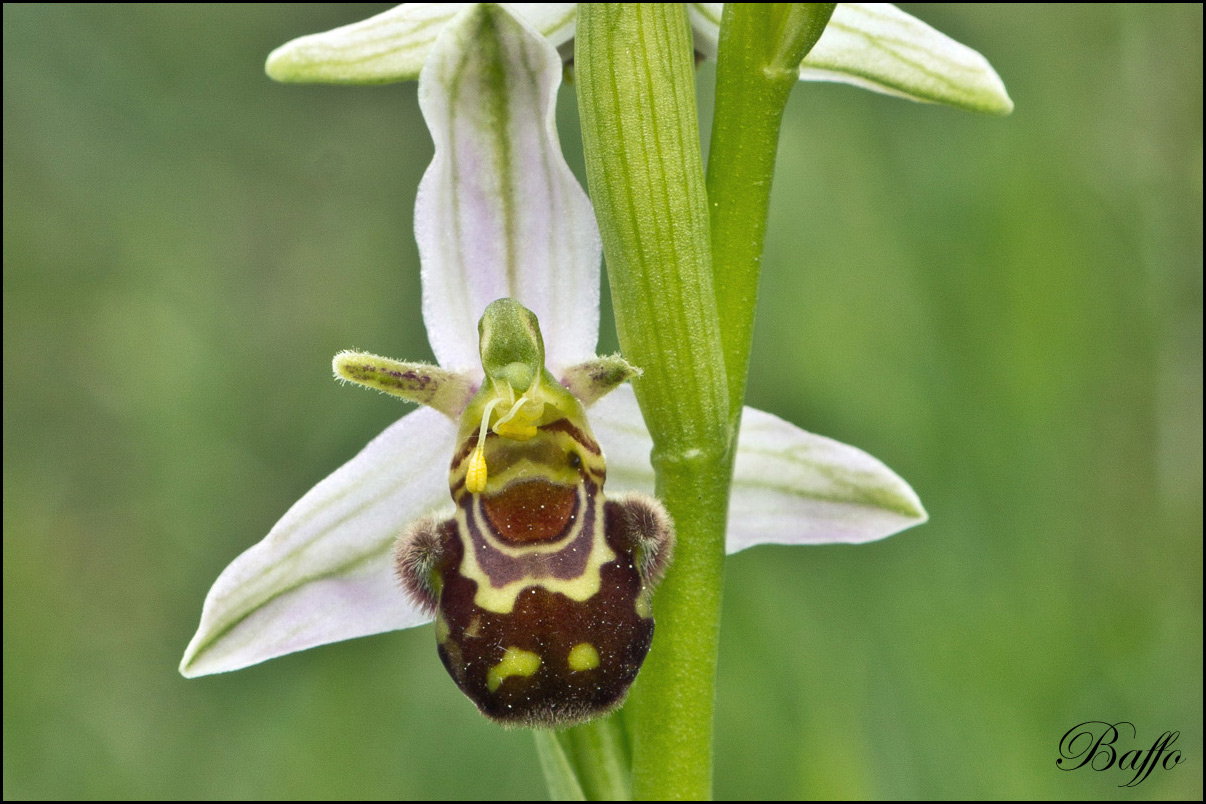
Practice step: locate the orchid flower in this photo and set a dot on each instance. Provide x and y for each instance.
(499, 214)
(875, 46)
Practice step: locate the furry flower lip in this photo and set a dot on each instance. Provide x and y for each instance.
(540, 586)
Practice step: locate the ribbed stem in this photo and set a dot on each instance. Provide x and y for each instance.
(636, 96)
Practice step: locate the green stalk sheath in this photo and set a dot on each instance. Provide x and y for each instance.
(761, 47)
(600, 759)
(636, 96)
(560, 776)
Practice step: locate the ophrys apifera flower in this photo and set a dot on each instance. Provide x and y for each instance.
(499, 215)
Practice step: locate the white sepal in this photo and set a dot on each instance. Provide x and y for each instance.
(324, 572)
(499, 213)
(789, 486)
(877, 46)
(394, 45)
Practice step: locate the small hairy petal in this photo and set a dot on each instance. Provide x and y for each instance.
(594, 379)
(425, 384)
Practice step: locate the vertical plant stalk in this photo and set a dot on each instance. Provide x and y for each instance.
(636, 96)
(560, 775)
(599, 756)
(761, 47)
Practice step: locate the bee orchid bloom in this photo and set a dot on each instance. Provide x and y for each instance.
(499, 215)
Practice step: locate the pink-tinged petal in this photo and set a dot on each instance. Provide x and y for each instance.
(555, 21)
(393, 45)
(793, 487)
(324, 573)
(625, 440)
(498, 212)
(789, 486)
(877, 46)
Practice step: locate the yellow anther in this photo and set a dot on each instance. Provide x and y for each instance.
(519, 424)
(475, 475)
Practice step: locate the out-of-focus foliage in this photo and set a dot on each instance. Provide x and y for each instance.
(1008, 312)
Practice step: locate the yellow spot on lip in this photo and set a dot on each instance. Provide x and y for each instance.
(583, 656)
(515, 662)
(644, 609)
(441, 628)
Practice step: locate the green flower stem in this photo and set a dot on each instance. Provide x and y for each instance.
(636, 97)
(599, 755)
(761, 47)
(560, 776)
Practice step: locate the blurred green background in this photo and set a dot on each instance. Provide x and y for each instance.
(1006, 311)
